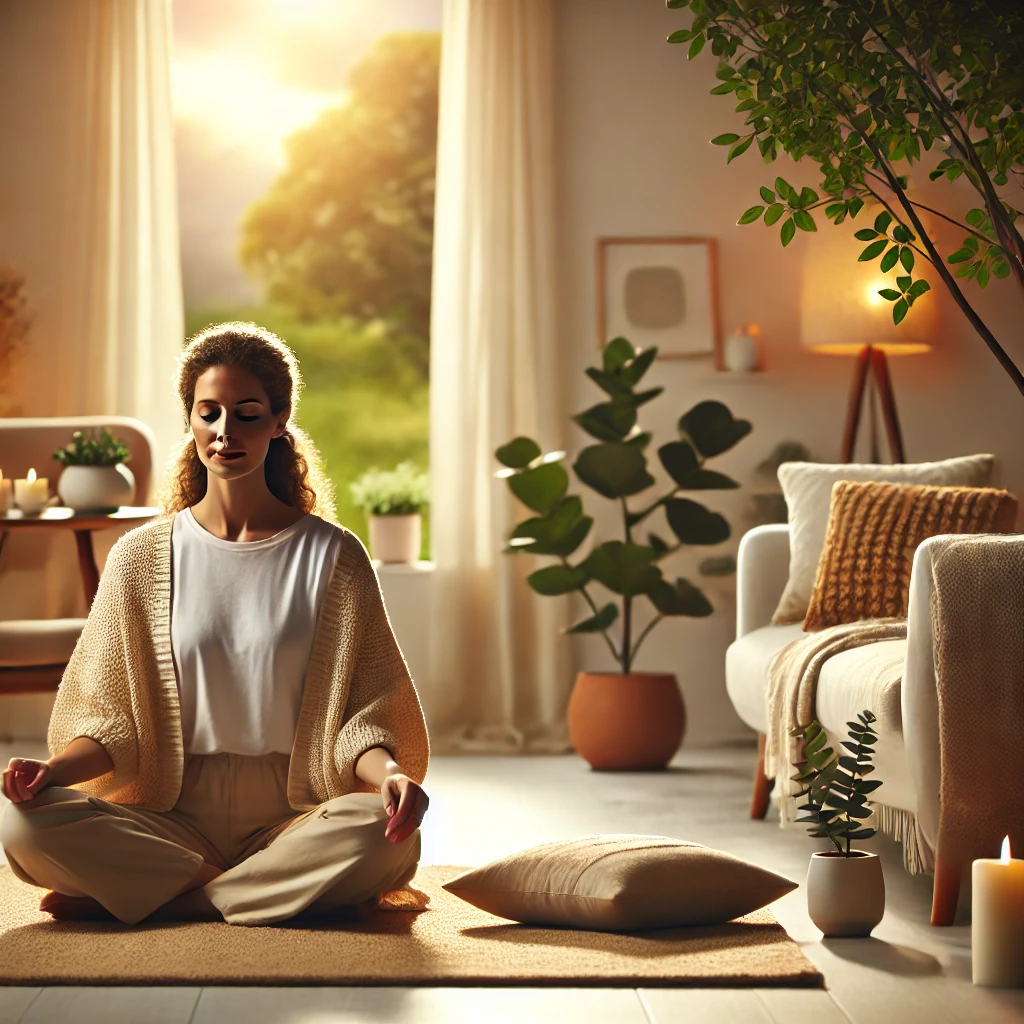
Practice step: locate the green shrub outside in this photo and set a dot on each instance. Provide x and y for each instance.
(364, 403)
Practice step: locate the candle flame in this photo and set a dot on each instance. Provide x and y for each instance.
(31, 475)
(1004, 854)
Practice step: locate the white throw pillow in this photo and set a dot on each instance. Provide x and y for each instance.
(807, 488)
(619, 882)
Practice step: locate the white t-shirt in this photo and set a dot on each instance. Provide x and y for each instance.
(243, 616)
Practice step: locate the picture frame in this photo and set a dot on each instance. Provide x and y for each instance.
(660, 291)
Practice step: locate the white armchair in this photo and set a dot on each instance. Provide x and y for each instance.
(907, 758)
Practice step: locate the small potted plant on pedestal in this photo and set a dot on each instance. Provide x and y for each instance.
(393, 501)
(845, 887)
(623, 720)
(95, 477)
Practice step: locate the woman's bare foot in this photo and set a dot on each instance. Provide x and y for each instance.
(74, 908)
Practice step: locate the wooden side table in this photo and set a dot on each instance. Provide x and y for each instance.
(82, 523)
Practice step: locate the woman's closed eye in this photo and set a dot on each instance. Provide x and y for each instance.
(210, 417)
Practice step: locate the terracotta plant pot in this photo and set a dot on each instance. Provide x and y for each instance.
(396, 538)
(845, 895)
(626, 722)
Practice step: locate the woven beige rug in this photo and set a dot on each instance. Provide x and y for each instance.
(448, 943)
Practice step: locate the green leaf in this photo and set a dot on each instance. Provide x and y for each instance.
(557, 579)
(681, 35)
(889, 259)
(782, 187)
(752, 214)
(919, 287)
(773, 213)
(788, 231)
(706, 480)
(882, 222)
(624, 568)
(518, 453)
(659, 546)
(873, 250)
(682, 598)
(694, 524)
(616, 354)
(866, 234)
(960, 256)
(611, 383)
(540, 488)
(804, 221)
(739, 149)
(712, 427)
(767, 194)
(808, 196)
(613, 470)
(679, 459)
(903, 283)
(718, 565)
(635, 369)
(907, 258)
(602, 620)
(609, 421)
(695, 47)
(901, 234)
(976, 217)
(725, 140)
(890, 293)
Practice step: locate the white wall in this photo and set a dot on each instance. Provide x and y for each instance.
(634, 122)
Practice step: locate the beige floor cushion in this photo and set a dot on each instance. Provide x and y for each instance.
(619, 882)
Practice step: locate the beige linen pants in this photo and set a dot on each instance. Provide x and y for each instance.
(232, 812)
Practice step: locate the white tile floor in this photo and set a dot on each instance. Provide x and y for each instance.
(483, 807)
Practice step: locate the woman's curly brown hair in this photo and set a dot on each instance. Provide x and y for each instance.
(293, 467)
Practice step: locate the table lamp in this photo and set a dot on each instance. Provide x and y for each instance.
(842, 314)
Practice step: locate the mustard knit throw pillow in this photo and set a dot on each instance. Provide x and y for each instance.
(873, 531)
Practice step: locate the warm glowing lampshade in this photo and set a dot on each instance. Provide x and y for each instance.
(840, 308)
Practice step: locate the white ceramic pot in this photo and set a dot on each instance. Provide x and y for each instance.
(845, 895)
(96, 488)
(740, 354)
(396, 538)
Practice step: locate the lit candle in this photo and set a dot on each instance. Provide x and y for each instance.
(30, 494)
(6, 493)
(997, 925)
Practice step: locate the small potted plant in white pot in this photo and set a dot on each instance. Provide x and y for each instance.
(95, 477)
(845, 887)
(393, 501)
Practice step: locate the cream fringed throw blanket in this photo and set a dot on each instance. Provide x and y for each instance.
(977, 618)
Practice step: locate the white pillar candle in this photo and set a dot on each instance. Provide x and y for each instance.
(997, 924)
(31, 493)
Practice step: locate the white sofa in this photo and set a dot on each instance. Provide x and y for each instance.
(906, 758)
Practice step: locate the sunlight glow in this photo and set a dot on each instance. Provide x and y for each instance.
(301, 10)
(236, 98)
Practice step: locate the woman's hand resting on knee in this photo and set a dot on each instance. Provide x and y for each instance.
(406, 802)
(24, 777)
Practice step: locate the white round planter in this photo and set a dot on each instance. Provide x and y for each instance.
(396, 538)
(845, 895)
(96, 488)
(740, 353)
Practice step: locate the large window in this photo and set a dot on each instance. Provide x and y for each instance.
(306, 136)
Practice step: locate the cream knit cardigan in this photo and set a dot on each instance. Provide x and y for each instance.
(120, 689)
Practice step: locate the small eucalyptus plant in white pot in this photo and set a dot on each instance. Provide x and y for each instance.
(393, 501)
(95, 477)
(845, 887)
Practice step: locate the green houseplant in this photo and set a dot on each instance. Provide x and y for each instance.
(845, 887)
(95, 477)
(866, 89)
(393, 500)
(616, 467)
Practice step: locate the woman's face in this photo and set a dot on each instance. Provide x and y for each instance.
(231, 421)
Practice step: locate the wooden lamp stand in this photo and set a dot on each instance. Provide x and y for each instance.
(875, 358)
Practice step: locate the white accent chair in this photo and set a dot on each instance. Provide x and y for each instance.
(907, 759)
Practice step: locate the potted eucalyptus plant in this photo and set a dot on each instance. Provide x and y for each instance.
(845, 887)
(627, 719)
(95, 477)
(393, 500)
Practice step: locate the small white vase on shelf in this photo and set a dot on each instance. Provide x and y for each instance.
(96, 488)
(741, 352)
(396, 538)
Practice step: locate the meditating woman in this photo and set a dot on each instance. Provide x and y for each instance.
(236, 734)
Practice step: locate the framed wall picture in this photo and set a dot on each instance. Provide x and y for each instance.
(660, 291)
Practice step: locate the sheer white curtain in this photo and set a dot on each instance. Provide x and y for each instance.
(94, 225)
(500, 670)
